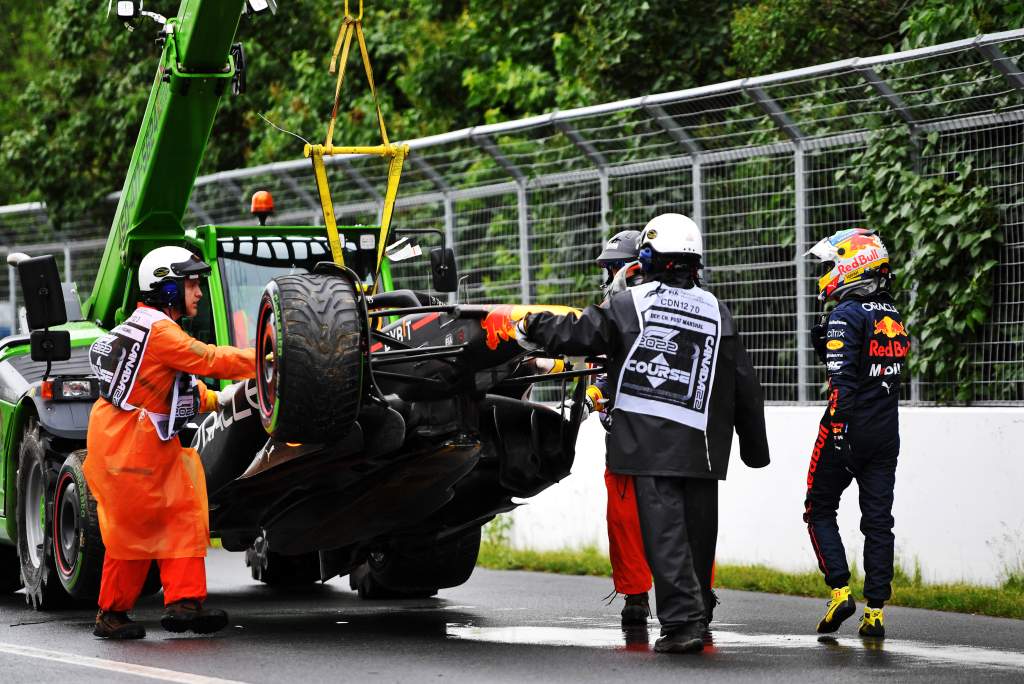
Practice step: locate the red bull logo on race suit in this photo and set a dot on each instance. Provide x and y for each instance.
(889, 327)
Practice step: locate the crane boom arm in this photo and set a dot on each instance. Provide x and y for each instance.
(195, 71)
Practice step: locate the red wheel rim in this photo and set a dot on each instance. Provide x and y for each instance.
(65, 525)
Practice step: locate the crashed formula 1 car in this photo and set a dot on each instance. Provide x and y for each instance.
(385, 426)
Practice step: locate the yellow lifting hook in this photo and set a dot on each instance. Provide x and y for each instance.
(396, 154)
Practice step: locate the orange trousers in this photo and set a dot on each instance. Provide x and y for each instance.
(182, 578)
(630, 571)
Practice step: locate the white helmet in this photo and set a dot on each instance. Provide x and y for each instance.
(162, 274)
(666, 236)
(672, 234)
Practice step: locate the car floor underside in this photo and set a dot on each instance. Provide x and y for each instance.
(408, 474)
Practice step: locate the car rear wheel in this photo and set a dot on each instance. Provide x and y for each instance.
(43, 590)
(77, 545)
(309, 358)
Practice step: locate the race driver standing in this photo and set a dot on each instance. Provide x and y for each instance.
(682, 382)
(864, 346)
(150, 490)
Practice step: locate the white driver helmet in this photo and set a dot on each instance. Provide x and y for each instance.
(169, 263)
(671, 234)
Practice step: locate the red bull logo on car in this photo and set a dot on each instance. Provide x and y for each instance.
(500, 322)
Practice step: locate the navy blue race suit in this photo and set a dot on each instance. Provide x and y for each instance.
(864, 347)
(676, 467)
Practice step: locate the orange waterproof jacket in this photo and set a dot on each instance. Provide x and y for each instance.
(151, 493)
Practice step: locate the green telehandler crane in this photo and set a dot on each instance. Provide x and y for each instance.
(198, 65)
(385, 426)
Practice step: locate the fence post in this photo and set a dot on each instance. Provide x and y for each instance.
(606, 205)
(696, 174)
(800, 188)
(67, 264)
(449, 231)
(12, 293)
(524, 240)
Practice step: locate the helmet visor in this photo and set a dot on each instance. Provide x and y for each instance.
(190, 269)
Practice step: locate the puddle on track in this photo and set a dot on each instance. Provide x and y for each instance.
(615, 638)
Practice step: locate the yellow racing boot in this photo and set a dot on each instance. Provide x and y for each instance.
(840, 607)
(873, 623)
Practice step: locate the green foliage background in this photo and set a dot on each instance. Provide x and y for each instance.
(74, 82)
(74, 87)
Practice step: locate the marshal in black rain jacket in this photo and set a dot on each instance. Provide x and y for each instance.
(649, 445)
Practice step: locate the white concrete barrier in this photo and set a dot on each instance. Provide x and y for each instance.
(959, 496)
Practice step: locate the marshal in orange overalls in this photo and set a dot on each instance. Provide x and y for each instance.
(151, 493)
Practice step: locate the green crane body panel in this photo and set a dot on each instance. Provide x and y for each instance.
(195, 71)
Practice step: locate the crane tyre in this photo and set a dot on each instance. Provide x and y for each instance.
(78, 549)
(35, 484)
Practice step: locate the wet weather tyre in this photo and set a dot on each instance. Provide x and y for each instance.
(78, 549)
(309, 358)
(35, 483)
(10, 569)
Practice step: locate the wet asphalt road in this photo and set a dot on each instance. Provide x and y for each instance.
(500, 626)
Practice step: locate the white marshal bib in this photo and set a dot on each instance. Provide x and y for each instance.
(670, 369)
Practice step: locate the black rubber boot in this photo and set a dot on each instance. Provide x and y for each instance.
(188, 615)
(116, 625)
(688, 639)
(636, 611)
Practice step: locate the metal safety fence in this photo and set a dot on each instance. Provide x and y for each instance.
(764, 165)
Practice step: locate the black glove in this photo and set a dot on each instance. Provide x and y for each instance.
(841, 447)
(818, 338)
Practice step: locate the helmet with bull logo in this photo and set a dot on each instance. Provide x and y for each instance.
(858, 264)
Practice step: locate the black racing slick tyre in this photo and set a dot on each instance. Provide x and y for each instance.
(309, 358)
(35, 483)
(77, 545)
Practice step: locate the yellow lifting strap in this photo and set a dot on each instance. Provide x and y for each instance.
(353, 26)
